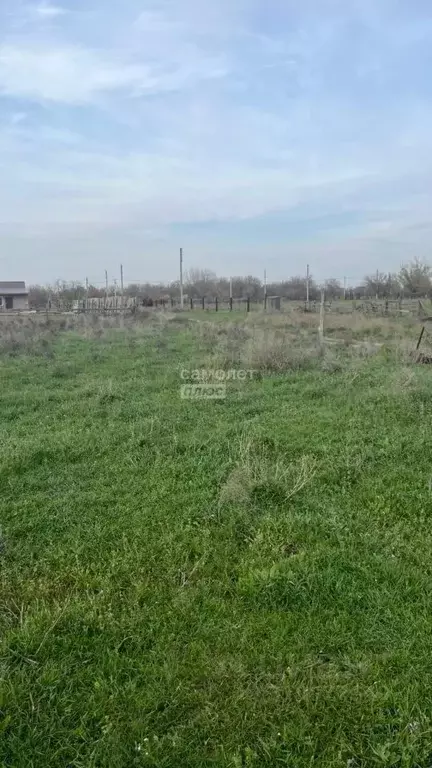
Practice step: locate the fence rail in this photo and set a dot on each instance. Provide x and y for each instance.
(116, 304)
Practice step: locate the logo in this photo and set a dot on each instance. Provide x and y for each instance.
(203, 392)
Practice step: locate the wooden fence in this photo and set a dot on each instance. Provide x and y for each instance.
(114, 304)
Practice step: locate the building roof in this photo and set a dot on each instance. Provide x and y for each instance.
(13, 289)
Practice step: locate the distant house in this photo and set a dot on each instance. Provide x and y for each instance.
(13, 296)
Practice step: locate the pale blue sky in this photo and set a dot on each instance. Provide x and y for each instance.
(254, 133)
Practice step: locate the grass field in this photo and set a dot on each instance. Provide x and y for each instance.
(237, 582)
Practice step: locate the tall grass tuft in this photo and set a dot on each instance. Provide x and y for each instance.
(258, 475)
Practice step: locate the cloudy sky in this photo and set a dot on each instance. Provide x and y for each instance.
(254, 133)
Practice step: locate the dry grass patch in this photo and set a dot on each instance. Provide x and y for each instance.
(275, 352)
(402, 381)
(35, 333)
(256, 474)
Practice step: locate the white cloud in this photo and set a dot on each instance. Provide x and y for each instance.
(76, 75)
(156, 52)
(47, 11)
(71, 75)
(90, 188)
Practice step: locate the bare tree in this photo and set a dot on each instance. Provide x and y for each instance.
(333, 288)
(376, 285)
(295, 288)
(247, 286)
(200, 282)
(38, 296)
(416, 279)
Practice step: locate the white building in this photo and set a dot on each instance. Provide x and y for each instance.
(13, 296)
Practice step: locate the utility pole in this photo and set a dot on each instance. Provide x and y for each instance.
(106, 287)
(307, 286)
(377, 278)
(345, 282)
(265, 289)
(321, 322)
(122, 284)
(87, 292)
(181, 277)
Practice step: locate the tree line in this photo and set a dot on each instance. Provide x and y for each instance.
(414, 280)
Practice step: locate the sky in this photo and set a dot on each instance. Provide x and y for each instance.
(256, 134)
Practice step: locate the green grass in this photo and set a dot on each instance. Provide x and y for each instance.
(244, 582)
